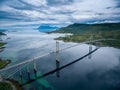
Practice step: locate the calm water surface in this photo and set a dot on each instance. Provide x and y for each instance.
(101, 72)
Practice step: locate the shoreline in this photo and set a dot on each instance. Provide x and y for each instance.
(111, 43)
(15, 84)
(4, 61)
(10, 84)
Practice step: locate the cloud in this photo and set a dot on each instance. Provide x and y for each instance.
(35, 2)
(60, 12)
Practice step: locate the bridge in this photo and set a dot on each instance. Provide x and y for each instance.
(24, 66)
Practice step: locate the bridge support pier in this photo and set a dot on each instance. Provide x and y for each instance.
(21, 78)
(35, 68)
(90, 49)
(28, 72)
(90, 45)
(20, 73)
(1, 78)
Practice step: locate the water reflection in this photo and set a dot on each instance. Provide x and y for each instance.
(101, 72)
(57, 68)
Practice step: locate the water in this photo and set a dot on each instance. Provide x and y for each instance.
(101, 72)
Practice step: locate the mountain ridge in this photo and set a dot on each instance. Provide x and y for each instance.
(80, 28)
(82, 32)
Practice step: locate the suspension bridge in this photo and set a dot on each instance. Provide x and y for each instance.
(23, 64)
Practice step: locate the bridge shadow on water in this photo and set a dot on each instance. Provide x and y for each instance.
(57, 70)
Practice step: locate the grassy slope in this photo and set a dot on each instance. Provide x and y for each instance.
(2, 44)
(82, 32)
(83, 28)
(3, 63)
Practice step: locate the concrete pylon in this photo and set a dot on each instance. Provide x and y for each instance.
(97, 45)
(20, 72)
(57, 59)
(35, 66)
(57, 51)
(1, 78)
(90, 49)
(28, 72)
(90, 45)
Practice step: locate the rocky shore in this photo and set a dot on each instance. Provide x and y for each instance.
(4, 63)
(8, 84)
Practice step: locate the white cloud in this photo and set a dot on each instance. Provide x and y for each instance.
(41, 11)
(32, 14)
(36, 2)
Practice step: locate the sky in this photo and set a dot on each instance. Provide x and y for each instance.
(33, 13)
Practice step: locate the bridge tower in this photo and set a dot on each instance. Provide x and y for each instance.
(20, 72)
(90, 45)
(57, 51)
(97, 45)
(57, 58)
(35, 66)
(28, 72)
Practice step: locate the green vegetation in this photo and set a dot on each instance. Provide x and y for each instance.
(16, 84)
(3, 63)
(2, 44)
(82, 32)
(5, 86)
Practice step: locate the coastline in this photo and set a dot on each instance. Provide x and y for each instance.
(3, 63)
(80, 38)
(6, 62)
(11, 83)
(15, 84)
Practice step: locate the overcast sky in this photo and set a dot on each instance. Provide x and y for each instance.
(19, 13)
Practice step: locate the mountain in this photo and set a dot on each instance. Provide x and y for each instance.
(47, 28)
(82, 32)
(84, 28)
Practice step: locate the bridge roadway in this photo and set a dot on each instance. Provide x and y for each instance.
(58, 69)
(35, 58)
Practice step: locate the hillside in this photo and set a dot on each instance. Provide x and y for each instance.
(83, 28)
(82, 32)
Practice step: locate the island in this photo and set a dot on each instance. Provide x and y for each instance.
(82, 32)
(8, 84)
(3, 63)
